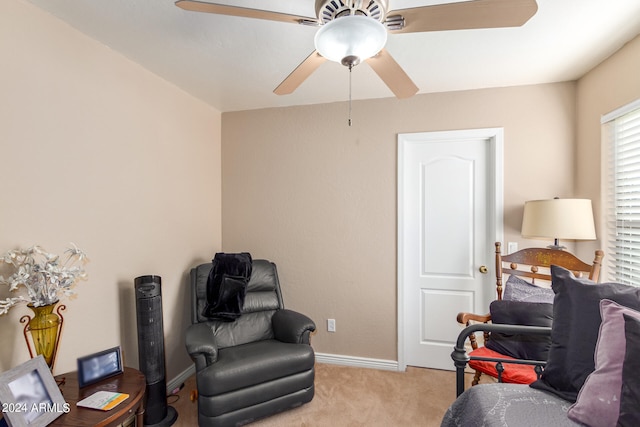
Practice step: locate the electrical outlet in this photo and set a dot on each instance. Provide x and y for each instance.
(331, 325)
(512, 247)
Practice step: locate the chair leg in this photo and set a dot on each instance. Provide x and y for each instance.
(476, 378)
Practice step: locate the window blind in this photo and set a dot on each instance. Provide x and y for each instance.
(622, 201)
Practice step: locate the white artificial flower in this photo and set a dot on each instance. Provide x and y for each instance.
(42, 276)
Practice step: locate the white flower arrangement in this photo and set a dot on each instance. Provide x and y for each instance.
(42, 275)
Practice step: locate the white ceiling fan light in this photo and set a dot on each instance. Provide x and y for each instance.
(363, 24)
(350, 39)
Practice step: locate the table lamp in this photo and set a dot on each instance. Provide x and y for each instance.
(557, 219)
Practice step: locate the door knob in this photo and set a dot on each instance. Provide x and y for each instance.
(483, 269)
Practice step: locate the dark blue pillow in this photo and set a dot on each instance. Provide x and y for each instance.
(521, 346)
(576, 323)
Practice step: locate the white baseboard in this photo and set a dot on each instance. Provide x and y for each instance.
(358, 362)
(332, 359)
(181, 378)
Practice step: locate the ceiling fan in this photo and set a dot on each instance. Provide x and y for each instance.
(351, 25)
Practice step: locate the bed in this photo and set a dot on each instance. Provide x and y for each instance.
(502, 404)
(590, 376)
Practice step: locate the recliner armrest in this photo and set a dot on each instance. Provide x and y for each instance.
(292, 327)
(201, 345)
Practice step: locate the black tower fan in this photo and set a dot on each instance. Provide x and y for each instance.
(151, 351)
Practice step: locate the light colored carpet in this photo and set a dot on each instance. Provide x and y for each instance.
(348, 396)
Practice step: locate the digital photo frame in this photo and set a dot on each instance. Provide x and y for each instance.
(98, 366)
(30, 396)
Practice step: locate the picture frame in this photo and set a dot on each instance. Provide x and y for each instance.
(30, 396)
(98, 366)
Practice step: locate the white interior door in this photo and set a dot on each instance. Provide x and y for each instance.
(449, 216)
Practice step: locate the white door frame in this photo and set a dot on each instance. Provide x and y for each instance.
(495, 136)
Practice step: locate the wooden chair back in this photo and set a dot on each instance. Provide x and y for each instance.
(534, 263)
(530, 264)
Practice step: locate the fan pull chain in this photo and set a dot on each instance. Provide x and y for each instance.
(350, 68)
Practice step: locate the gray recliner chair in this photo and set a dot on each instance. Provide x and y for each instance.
(258, 365)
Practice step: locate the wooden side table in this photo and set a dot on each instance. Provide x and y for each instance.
(131, 382)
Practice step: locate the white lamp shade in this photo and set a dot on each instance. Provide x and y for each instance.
(351, 35)
(570, 219)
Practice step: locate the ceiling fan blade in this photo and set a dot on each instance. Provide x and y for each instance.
(465, 15)
(300, 74)
(392, 75)
(222, 9)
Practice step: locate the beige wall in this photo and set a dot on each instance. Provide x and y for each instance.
(317, 197)
(96, 150)
(610, 85)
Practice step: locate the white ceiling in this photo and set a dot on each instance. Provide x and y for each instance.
(235, 63)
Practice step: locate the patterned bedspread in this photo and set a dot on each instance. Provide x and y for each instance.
(507, 405)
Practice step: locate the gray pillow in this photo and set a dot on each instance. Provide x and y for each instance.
(517, 289)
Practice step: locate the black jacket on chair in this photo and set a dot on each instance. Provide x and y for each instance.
(227, 286)
(257, 365)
